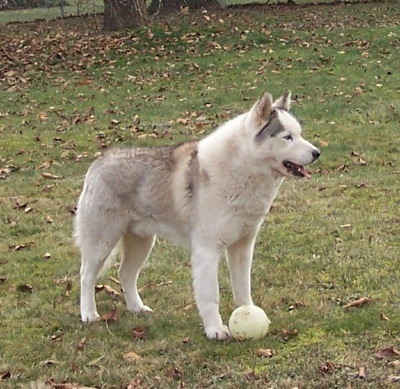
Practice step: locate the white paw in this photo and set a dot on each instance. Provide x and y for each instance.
(141, 309)
(90, 317)
(218, 333)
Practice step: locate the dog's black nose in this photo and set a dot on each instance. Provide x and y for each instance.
(316, 153)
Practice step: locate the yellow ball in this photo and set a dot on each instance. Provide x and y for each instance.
(248, 322)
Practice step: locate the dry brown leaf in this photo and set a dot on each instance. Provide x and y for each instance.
(266, 353)
(139, 332)
(384, 317)
(19, 205)
(250, 375)
(117, 282)
(68, 289)
(386, 353)
(357, 303)
(287, 334)
(105, 288)
(175, 373)
(188, 307)
(56, 337)
(42, 116)
(18, 247)
(5, 375)
(111, 315)
(25, 288)
(49, 362)
(361, 372)
(48, 188)
(66, 385)
(131, 357)
(81, 345)
(50, 176)
(327, 368)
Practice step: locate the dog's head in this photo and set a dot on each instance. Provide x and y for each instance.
(276, 137)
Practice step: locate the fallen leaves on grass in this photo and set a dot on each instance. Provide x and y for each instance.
(152, 285)
(49, 362)
(110, 316)
(288, 334)
(107, 289)
(81, 344)
(25, 288)
(266, 353)
(67, 292)
(358, 303)
(51, 176)
(68, 289)
(327, 368)
(18, 247)
(6, 375)
(66, 385)
(383, 317)
(131, 357)
(361, 372)
(139, 332)
(175, 373)
(386, 353)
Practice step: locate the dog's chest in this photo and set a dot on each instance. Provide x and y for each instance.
(244, 208)
(251, 197)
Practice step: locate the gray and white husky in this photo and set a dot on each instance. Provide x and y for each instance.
(210, 196)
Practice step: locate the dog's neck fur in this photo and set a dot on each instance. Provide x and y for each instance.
(238, 177)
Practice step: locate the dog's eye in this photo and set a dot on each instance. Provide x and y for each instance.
(288, 137)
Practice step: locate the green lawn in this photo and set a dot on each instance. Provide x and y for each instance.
(67, 91)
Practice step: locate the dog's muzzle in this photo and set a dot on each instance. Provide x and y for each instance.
(316, 154)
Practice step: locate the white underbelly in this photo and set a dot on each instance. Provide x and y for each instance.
(176, 233)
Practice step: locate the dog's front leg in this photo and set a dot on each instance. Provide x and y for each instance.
(240, 256)
(205, 261)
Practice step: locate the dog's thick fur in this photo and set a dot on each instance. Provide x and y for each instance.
(210, 196)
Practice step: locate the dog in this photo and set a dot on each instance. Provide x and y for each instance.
(209, 196)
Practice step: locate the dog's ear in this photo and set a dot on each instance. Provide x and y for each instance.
(263, 107)
(284, 102)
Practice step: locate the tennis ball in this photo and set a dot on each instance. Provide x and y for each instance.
(248, 322)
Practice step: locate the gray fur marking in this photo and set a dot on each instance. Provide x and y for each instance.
(271, 129)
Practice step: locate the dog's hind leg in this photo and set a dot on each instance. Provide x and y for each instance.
(96, 245)
(239, 256)
(135, 250)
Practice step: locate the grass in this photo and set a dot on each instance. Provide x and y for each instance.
(66, 90)
(74, 7)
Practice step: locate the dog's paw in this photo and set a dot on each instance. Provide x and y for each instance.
(145, 310)
(141, 309)
(218, 333)
(90, 317)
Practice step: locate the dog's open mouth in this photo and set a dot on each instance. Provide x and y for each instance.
(296, 170)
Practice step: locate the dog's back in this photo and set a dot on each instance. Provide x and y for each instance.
(146, 189)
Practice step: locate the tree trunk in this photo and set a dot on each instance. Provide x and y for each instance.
(121, 14)
(170, 6)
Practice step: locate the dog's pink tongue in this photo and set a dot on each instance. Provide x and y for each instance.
(304, 172)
